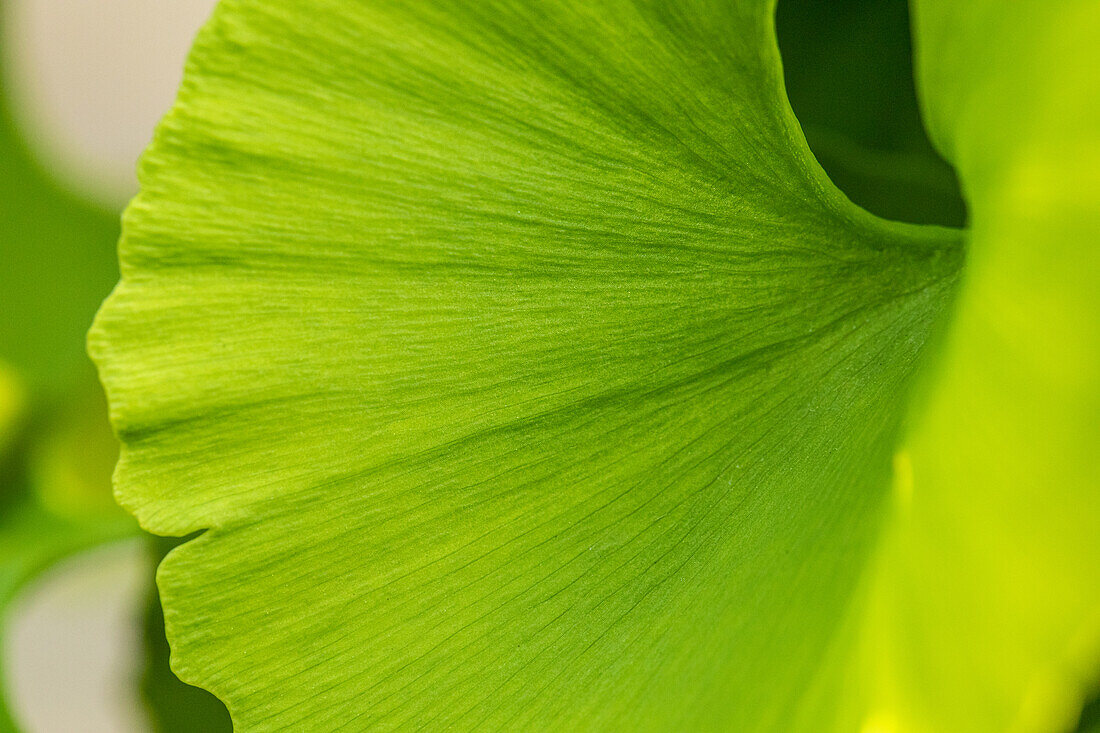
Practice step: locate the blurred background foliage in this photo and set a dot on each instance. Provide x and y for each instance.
(57, 450)
(57, 263)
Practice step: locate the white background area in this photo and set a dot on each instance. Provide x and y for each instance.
(87, 81)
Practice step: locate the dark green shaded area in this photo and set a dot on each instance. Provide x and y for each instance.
(174, 707)
(848, 66)
(13, 468)
(1090, 716)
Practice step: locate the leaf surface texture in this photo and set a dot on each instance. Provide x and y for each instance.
(524, 370)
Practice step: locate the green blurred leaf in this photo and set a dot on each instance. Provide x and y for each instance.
(985, 610)
(12, 405)
(58, 265)
(13, 408)
(58, 262)
(56, 447)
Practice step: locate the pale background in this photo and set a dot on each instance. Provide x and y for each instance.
(89, 79)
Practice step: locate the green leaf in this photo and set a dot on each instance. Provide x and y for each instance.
(522, 361)
(527, 372)
(985, 611)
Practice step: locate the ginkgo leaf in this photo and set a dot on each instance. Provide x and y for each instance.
(985, 602)
(526, 372)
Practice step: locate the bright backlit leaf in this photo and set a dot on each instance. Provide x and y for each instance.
(527, 372)
(986, 603)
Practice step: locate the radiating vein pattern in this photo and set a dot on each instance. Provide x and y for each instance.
(521, 364)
